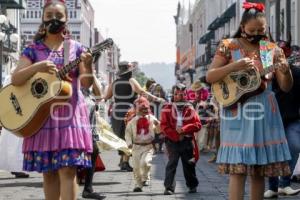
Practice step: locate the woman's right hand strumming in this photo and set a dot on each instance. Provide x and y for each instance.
(243, 63)
(26, 69)
(219, 69)
(45, 66)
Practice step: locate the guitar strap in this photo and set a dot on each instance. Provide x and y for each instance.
(67, 43)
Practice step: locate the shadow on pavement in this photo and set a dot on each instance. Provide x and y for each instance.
(23, 184)
(106, 183)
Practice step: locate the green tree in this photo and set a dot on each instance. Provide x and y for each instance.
(141, 77)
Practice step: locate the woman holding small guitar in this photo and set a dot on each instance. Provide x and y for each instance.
(253, 140)
(64, 142)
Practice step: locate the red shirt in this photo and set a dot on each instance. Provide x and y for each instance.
(190, 122)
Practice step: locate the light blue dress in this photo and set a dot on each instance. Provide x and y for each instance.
(252, 134)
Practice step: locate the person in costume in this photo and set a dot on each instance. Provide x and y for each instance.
(179, 123)
(139, 135)
(64, 142)
(125, 90)
(253, 141)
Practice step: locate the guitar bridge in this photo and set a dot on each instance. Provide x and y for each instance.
(16, 104)
(225, 90)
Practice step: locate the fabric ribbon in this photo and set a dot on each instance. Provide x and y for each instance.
(142, 126)
(257, 6)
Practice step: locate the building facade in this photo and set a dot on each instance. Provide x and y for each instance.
(10, 29)
(81, 20)
(284, 19)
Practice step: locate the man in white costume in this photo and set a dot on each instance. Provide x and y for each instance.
(139, 134)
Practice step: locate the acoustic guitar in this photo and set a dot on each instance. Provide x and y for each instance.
(239, 86)
(24, 109)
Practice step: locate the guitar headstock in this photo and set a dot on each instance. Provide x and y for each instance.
(293, 59)
(108, 43)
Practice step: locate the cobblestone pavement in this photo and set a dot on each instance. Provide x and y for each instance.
(119, 185)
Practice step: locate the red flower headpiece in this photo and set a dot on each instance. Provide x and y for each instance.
(50, 1)
(257, 6)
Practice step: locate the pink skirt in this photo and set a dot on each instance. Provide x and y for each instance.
(68, 127)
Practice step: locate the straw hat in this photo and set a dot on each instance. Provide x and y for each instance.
(197, 86)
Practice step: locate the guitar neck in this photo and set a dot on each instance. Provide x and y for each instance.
(273, 67)
(67, 68)
(95, 51)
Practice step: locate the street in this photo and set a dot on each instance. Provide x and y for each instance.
(119, 185)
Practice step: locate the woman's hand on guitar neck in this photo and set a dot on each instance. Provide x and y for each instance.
(45, 66)
(284, 68)
(243, 63)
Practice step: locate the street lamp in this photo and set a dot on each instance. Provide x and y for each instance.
(7, 32)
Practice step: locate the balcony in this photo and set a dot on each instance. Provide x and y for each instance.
(13, 4)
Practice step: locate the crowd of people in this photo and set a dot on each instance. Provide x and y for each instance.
(151, 123)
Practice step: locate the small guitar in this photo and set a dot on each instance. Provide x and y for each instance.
(24, 109)
(239, 86)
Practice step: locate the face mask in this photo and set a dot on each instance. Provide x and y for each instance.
(254, 39)
(55, 26)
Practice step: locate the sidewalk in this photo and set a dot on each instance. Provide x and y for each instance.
(119, 185)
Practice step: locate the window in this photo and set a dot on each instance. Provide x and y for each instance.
(36, 14)
(75, 14)
(27, 14)
(31, 14)
(71, 14)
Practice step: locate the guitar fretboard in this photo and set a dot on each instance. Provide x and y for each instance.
(67, 68)
(94, 51)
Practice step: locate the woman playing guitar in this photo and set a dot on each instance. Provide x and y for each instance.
(252, 134)
(64, 142)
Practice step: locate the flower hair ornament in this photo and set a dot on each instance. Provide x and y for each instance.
(257, 6)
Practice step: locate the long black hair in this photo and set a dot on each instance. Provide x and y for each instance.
(247, 16)
(41, 33)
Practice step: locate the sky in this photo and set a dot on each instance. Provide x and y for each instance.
(144, 29)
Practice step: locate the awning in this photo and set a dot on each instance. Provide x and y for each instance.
(208, 36)
(13, 4)
(228, 14)
(214, 25)
(224, 18)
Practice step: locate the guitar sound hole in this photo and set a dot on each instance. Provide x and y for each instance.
(39, 88)
(243, 81)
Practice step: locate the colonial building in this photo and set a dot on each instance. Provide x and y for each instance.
(81, 20)
(9, 35)
(284, 19)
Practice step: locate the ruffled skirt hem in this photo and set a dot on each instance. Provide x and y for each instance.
(269, 170)
(51, 161)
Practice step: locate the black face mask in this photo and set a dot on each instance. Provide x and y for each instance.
(55, 26)
(254, 39)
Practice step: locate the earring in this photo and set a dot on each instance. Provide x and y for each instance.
(243, 34)
(42, 30)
